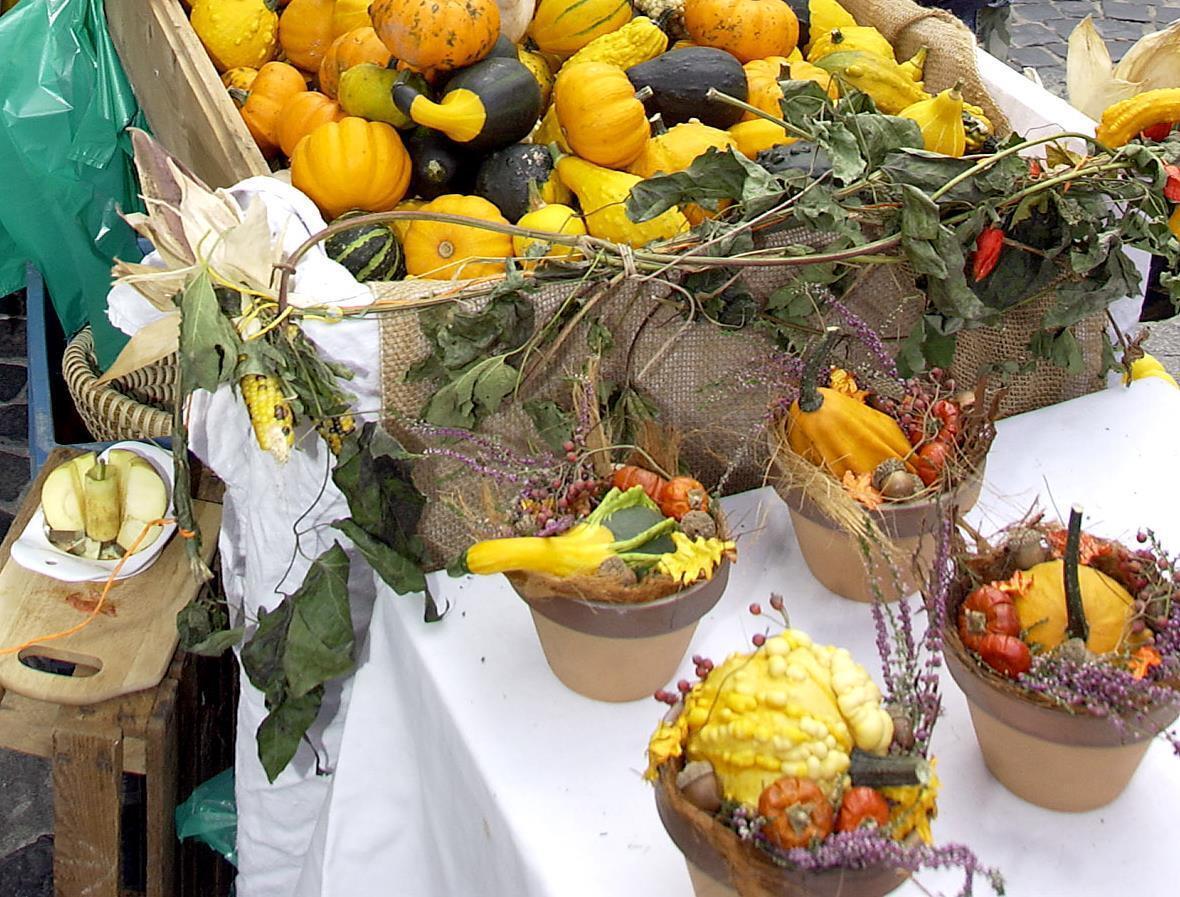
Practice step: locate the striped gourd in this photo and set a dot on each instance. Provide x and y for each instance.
(369, 251)
(565, 26)
(270, 414)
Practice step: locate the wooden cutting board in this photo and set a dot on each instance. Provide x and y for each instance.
(126, 648)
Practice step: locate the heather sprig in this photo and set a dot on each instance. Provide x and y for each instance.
(866, 336)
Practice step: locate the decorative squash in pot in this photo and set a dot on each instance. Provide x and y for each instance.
(553, 218)
(352, 164)
(601, 114)
(349, 49)
(565, 26)
(236, 32)
(437, 35)
(836, 431)
(1041, 605)
(749, 29)
(276, 83)
(491, 104)
(439, 251)
(302, 114)
(602, 194)
(305, 32)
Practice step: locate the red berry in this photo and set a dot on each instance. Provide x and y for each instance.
(684, 686)
(568, 446)
(755, 608)
(660, 695)
(759, 640)
(1140, 537)
(776, 601)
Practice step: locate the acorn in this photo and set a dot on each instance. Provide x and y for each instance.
(698, 524)
(617, 569)
(1026, 548)
(884, 469)
(901, 484)
(698, 783)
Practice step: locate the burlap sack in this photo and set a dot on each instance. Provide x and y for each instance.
(951, 45)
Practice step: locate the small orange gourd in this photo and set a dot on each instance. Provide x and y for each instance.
(439, 250)
(437, 35)
(762, 77)
(302, 114)
(349, 49)
(275, 83)
(749, 29)
(808, 71)
(598, 110)
(352, 164)
(305, 32)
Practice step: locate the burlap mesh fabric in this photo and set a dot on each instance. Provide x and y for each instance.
(951, 45)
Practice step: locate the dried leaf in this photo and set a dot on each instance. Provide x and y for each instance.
(1089, 76)
(1154, 60)
(158, 181)
(205, 215)
(246, 252)
(157, 340)
(157, 285)
(860, 488)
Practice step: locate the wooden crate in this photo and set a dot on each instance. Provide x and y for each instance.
(180, 92)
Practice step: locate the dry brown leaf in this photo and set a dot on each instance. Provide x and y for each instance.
(1089, 76)
(1153, 61)
(156, 340)
(157, 285)
(860, 489)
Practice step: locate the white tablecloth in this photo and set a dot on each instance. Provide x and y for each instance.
(467, 769)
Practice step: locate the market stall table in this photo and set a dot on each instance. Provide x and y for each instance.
(468, 769)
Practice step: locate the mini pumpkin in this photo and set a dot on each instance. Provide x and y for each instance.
(302, 114)
(348, 15)
(275, 83)
(563, 27)
(305, 31)
(762, 76)
(797, 813)
(352, 164)
(439, 250)
(349, 49)
(552, 218)
(749, 29)
(437, 35)
(599, 113)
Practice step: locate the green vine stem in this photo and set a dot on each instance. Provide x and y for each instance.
(984, 164)
(717, 96)
(1076, 626)
(810, 398)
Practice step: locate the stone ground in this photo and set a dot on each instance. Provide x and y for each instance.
(1038, 32)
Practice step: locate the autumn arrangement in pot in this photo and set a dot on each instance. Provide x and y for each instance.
(786, 770)
(1067, 646)
(616, 560)
(866, 460)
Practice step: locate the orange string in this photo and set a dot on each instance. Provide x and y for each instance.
(102, 597)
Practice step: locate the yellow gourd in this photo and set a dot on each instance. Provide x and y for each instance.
(806, 71)
(549, 131)
(601, 116)
(236, 32)
(675, 149)
(638, 41)
(350, 14)
(552, 218)
(402, 225)
(602, 194)
(762, 87)
(239, 79)
(853, 37)
(536, 64)
(752, 137)
(1041, 607)
(940, 119)
(563, 27)
(438, 250)
(883, 80)
(791, 708)
(1125, 119)
(914, 68)
(825, 15)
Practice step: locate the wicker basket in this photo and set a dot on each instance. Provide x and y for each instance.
(137, 406)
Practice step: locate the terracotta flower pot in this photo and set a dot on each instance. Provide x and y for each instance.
(712, 853)
(835, 558)
(1047, 755)
(620, 652)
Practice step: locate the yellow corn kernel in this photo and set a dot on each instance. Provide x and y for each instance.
(334, 430)
(270, 414)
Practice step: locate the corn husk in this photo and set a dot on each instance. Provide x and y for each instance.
(1089, 73)
(1154, 60)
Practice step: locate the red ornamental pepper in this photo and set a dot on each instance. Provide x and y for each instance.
(1172, 185)
(1158, 132)
(987, 252)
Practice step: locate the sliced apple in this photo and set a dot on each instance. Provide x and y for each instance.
(101, 491)
(62, 498)
(120, 460)
(145, 498)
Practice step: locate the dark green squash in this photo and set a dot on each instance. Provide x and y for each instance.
(437, 165)
(680, 79)
(491, 104)
(504, 48)
(368, 251)
(505, 175)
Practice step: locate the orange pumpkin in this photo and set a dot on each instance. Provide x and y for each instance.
(275, 83)
(302, 114)
(599, 113)
(349, 49)
(305, 31)
(348, 15)
(352, 164)
(763, 90)
(749, 29)
(437, 35)
(438, 250)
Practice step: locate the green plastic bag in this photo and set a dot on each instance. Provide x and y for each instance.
(65, 105)
(211, 815)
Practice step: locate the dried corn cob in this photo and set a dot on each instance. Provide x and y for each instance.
(334, 429)
(270, 413)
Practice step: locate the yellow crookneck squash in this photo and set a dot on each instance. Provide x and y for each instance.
(602, 194)
(438, 250)
(352, 164)
(836, 431)
(600, 113)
